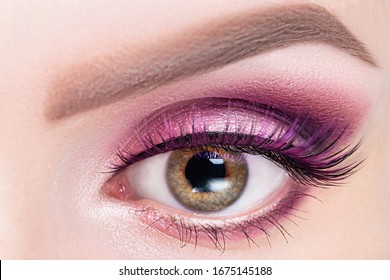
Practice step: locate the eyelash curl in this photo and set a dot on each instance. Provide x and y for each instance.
(312, 163)
(309, 161)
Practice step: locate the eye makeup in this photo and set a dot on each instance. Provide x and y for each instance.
(309, 151)
(238, 125)
(255, 225)
(302, 117)
(217, 43)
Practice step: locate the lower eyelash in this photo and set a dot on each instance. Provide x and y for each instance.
(189, 232)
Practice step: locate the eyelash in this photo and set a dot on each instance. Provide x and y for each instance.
(218, 235)
(311, 163)
(308, 164)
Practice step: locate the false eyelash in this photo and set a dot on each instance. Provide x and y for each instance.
(312, 162)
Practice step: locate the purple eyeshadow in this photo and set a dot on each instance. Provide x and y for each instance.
(309, 151)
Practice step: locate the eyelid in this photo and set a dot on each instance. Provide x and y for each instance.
(318, 100)
(309, 165)
(301, 146)
(257, 224)
(274, 134)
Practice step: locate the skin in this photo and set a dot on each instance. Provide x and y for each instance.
(50, 172)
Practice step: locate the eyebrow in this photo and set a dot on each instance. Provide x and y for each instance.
(83, 87)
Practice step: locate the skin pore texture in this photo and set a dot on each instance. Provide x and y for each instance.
(79, 80)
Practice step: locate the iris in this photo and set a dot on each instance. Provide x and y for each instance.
(206, 179)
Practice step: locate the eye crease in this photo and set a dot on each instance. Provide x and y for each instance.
(213, 45)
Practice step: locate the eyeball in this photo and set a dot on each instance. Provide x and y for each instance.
(206, 180)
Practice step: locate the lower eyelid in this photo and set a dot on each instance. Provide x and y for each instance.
(275, 215)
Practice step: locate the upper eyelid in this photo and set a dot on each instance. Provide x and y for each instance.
(316, 153)
(258, 32)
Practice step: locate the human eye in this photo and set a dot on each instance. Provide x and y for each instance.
(213, 170)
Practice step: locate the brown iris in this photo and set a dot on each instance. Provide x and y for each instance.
(206, 179)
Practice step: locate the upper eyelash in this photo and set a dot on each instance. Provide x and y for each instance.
(312, 163)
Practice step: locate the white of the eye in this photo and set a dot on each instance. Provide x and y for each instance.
(264, 179)
(148, 179)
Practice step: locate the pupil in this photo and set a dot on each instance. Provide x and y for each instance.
(204, 169)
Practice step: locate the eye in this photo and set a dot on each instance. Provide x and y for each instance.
(206, 180)
(225, 169)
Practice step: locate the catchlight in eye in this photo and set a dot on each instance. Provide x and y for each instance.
(206, 179)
